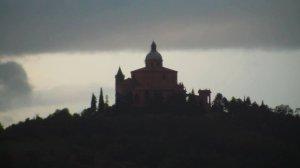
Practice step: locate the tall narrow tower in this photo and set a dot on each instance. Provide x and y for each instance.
(119, 78)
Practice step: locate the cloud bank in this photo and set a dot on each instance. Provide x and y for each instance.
(37, 26)
(15, 89)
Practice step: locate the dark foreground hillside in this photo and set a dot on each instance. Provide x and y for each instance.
(151, 139)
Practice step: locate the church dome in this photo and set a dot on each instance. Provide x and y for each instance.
(153, 54)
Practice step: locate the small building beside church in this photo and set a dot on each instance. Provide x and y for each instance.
(154, 82)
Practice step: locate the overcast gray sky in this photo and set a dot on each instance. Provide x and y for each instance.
(35, 26)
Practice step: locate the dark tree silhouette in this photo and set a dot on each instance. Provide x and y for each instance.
(192, 98)
(255, 106)
(219, 103)
(263, 107)
(58, 114)
(1, 128)
(93, 107)
(240, 134)
(101, 104)
(247, 101)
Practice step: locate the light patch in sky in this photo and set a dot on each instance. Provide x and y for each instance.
(69, 79)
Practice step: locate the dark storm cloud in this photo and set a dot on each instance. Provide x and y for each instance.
(14, 87)
(35, 26)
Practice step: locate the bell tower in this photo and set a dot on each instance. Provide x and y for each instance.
(119, 78)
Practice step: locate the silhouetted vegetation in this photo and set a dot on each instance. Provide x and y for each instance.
(1, 128)
(232, 133)
(94, 103)
(101, 104)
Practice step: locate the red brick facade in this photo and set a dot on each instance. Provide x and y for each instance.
(150, 83)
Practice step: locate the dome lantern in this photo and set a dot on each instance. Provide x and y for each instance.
(153, 58)
(153, 46)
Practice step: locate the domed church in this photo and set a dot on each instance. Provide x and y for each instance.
(151, 83)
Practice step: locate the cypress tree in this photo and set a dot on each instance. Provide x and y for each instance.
(101, 101)
(93, 103)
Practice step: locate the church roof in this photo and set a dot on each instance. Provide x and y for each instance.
(160, 69)
(153, 54)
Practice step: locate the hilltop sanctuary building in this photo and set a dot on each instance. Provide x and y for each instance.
(152, 83)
